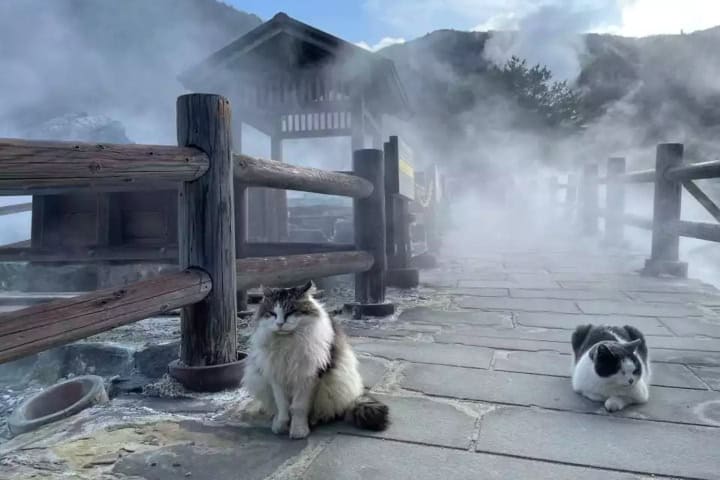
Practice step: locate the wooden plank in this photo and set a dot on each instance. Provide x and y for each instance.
(37, 165)
(206, 225)
(271, 271)
(37, 328)
(253, 249)
(89, 255)
(699, 230)
(702, 199)
(640, 176)
(271, 174)
(694, 171)
(17, 208)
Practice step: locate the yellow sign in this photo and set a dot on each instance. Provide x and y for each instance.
(406, 168)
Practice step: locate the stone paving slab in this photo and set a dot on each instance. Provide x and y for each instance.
(423, 420)
(372, 370)
(708, 327)
(709, 375)
(648, 325)
(519, 304)
(566, 294)
(686, 357)
(424, 352)
(540, 334)
(551, 363)
(667, 404)
(534, 283)
(375, 459)
(637, 285)
(503, 343)
(653, 448)
(433, 317)
(482, 292)
(685, 298)
(602, 307)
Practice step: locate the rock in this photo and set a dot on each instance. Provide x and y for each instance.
(97, 359)
(152, 361)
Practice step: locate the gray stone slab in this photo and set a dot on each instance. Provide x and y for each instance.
(684, 343)
(220, 452)
(648, 325)
(482, 292)
(536, 283)
(375, 459)
(637, 285)
(567, 294)
(451, 425)
(552, 363)
(602, 307)
(504, 343)
(686, 357)
(697, 407)
(683, 298)
(424, 352)
(441, 317)
(372, 370)
(648, 447)
(709, 375)
(708, 327)
(519, 304)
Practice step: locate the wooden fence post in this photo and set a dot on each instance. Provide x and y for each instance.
(571, 195)
(207, 231)
(589, 194)
(615, 202)
(664, 257)
(370, 236)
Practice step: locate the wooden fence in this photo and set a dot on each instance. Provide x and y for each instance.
(216, 262)
(670, 175)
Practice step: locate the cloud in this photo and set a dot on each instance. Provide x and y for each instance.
(384, 42)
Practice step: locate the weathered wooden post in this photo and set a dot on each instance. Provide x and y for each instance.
(369, 223)
(399, 191)
(207, 232)
(615, 202)
(571, 195)
(664, 257)
(589, 194)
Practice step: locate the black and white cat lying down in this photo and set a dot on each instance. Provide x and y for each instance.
(611, 365)
(302, 369)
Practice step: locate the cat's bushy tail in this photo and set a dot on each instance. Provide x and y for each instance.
(368, 413)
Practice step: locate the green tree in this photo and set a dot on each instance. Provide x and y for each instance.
(554, 102)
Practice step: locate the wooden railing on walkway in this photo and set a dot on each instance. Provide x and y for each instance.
(215, 260)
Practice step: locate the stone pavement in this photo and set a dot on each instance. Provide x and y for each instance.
(475, 369)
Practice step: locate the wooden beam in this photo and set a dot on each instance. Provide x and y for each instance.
(271, 174)
(37, 328)
(88, 254)
(703, 199)
(276, 271)
(17, 208)
(253, 249)
(37, 165)
(206, 231)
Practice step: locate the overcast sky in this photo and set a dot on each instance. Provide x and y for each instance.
(380, 22)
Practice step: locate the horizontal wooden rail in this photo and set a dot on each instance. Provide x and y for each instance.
(699, 230)
(640, 176)
(694, 171)
(253, 272)
(37, 328)
(630, 219)
(255, 172)
(253, 249)
(30, 166)
(89, 255)
(17, 208)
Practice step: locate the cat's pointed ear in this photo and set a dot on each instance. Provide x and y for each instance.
(603, 352)
(266, 291)
(307, 289)
(631, 347)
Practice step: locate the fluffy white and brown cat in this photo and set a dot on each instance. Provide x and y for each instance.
(302, 369)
